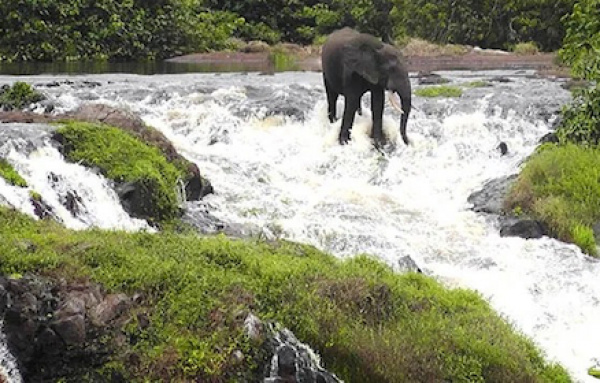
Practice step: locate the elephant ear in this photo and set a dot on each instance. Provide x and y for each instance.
(360, 56)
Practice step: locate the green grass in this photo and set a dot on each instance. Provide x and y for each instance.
(594, 372)
(368, 323)
(10, 174)
(124, 158)
(559, 186)
(477, 84)
(439, 91)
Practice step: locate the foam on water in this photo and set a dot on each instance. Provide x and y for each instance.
(289, 176)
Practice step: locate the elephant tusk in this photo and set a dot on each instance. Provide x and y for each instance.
(396, 103)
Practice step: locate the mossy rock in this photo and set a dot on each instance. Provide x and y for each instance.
(368, 323)
(10, 174)
(195, 185)
(146, 181)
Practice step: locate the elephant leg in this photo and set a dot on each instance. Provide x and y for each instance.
(331, 102)
(377, 99)
(351, 105)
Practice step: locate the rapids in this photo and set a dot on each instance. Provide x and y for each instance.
(267, 147)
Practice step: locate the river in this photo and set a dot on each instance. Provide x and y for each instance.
(266, 145)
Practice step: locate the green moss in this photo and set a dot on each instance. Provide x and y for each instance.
(559, 185)
(594, 372)
(18, 95)
(477, 84)
(35, 195)
(368, 323)
(124, 158)
(10, 174)
(439, 91)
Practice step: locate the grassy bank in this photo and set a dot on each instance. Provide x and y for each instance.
(368, 323)
(559, 186)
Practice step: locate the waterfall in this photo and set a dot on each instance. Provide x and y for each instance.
(267, 147)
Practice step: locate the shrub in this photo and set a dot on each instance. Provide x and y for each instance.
(580, 122)
(439, 91)
(123, 158)
(559, 185)
(10, 174)
(528, 48)
(19, 95)
(369, 323)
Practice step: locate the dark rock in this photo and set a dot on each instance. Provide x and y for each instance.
(549, 137)
(490, 199)
(429, 78)
(524, 228)
(71, 329)
(49, 342)
(108, 115)
(503, 148)
(500, 79)
(72, 202)
(41, 209)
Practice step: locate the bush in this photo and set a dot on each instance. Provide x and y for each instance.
(19, 95)
(439, 91)
(580, 122)
(528, 48)
(369, 323)
(559, 186)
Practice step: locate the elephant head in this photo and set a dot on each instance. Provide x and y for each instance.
(382, 65)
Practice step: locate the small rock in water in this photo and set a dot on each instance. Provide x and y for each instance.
(503, 148)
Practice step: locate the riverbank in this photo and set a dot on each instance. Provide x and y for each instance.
(309, 59)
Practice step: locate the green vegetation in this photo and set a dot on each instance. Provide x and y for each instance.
(51, 30)
(439, 91)
(559, 186)
(367, 322)
(528, 48)
(18, 95)
(594, 372)
(124, 158)
(477, 84)
(10, 174)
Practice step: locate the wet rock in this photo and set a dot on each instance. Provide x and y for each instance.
(72, 202)
(500, 79)
(42, 209)
(549, 138)
(490, 199)
(289, 360)
(503, 148)
(524, 228)
(407, 264)
(429, 78)
(108, 115)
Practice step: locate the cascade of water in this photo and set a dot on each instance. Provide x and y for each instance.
(77, 196)
(267, 147)
(9, 372)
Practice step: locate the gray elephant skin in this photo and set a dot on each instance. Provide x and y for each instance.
(354, 63)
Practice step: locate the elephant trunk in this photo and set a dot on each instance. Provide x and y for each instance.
(405, 97)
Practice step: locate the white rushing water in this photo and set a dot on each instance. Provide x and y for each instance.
(290, 178)
(61, 184)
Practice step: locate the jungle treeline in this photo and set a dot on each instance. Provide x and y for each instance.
(51, 30)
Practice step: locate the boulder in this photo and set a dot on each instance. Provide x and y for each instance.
(490, 199)
(524, 228)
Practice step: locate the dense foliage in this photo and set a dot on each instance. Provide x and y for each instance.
(369, 323)
(123, 30)
(63, 29)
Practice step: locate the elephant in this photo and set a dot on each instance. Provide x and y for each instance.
(354, 63)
